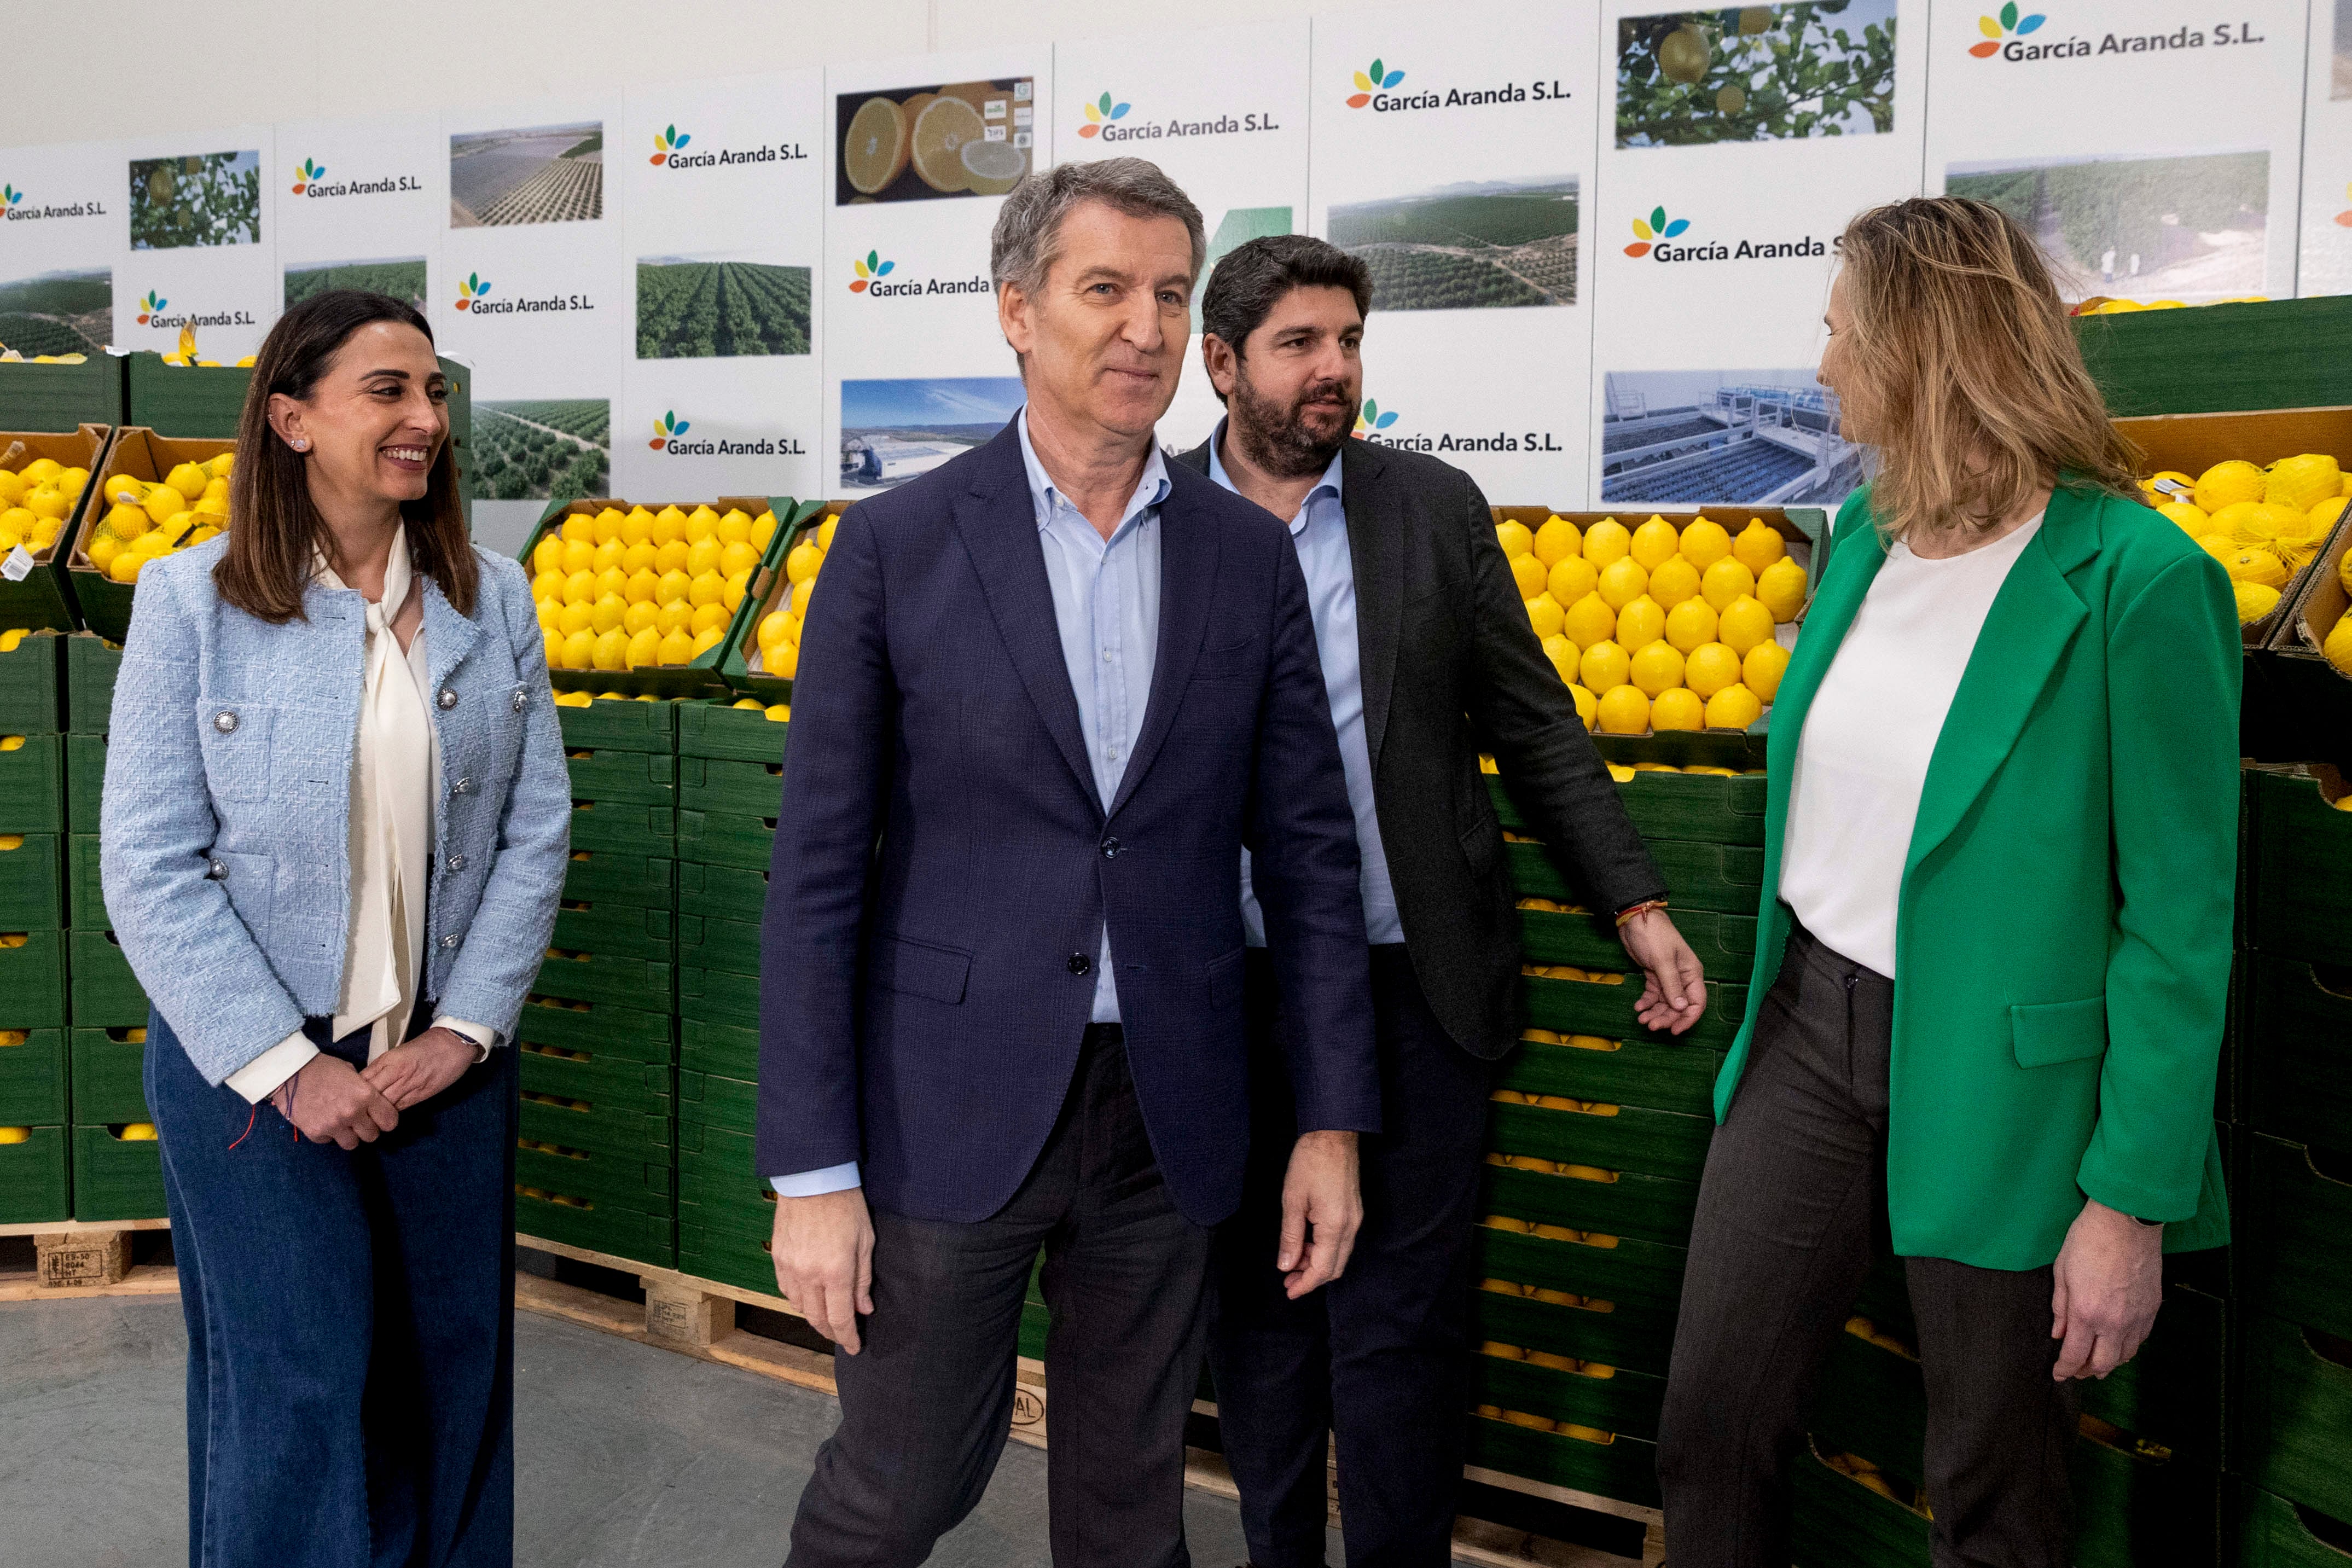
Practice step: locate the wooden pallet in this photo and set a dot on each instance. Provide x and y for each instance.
(76, 1259)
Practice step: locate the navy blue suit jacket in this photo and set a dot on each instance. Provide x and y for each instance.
(942, 860)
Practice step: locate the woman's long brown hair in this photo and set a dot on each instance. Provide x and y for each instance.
(1979, 390)
(275, 526)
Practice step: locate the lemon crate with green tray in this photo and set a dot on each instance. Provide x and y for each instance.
(706, 1252)
(33, 1077)
(1605, 1464)
(1552, 933)
(717, 1184)
(1537, 1317)
(713, 785)
(1659, 1073)
(106, 995)
(1601, 1133)
(596, 1026)
(2299, 863)
(39, 599)
(36, 1175)
(723, 892)
(597, 1223)
(571, 1122)
(1838, 1521)
(621, 877)
(726, 838)
(1534, 1189)
(1726, 879)
(85, 882)
(1720, 806)
(2295, 1049)
(729, 946)
(622, 778)
(617, 724)
(732, 1105)
(614, 926)
(578, 974)
(31, 679)
(761, 669)
(90, 663)
(630, 826)
(730, 731)
(31, 783)
(1605, 1008)
(569, 579)
(1561, 1388)
(607, 1080)
(109, 1077)
(726, 1050)
(32, 881)
(118, 1172)
(32, 978)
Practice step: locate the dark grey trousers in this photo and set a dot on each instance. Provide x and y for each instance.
(1789, 1212)
(926, 1403)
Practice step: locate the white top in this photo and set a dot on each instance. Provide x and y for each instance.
(1863, 759)
(395, 765)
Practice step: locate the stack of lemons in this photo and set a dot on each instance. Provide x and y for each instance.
(2262, 524)
(617, 590)
(10, 356)
(36, 500)
(144, 521)
(1655, 628)
(780, 629)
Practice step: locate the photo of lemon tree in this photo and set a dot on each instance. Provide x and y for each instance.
(1756, 73)
(921, 143)
(202, 199)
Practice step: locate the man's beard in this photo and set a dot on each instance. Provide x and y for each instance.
(1277, 437)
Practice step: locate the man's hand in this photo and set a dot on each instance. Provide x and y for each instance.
(328, 1102)
(1673, 987)
(823, 1252)
(411, 1074)
(2109, 1283)
(1319, 1195)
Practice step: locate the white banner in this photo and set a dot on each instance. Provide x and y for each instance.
(361, 204)
(62, 231)
(201, 243)
(2327, 261)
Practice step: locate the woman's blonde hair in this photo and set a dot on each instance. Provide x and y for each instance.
(1977, 391)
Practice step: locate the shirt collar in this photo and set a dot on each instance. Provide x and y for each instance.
(1328, 485)
(1150, 490)
(397, 572)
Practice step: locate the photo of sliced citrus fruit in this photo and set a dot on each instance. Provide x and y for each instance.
(875, 152)
(992, 168)
(941, 131)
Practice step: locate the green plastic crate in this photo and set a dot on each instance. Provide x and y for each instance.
(2294, 1420)
(727, 892)
(85, 884)
(1631, 1273)
(1613, 1203)
(1608, 1398)
(31, 783)
(33, 979)
(2268, 1532)
(85, 781)
(204, 401)
(32, 882)
(61, 397)
(91, 665)
(704, 1253)
(1585, 1008)
(1627, 1335)
(1625, 1469)
(37, 1175)
(729, 945)
(587, 976)
(31, 1078)
(2222, 359)
(728, 1050)
(628, 931)
(1619, 1138)
(31, 687)
(608, 1083)
(585, 1124)
(1836, 1521)
(109, 1076)
(2295, 1048)
(597, 1224)
(114, 1178)
(715, 996)
(723, 730)
(1726, 878)
(617, 877)
(2131, 1510)
(2299, 866)
(106, 995)
(622, 778)
(597, 1028)
(1724, 945)
(1706, 808)
(640, 1180)
(40, 599)
(740, 789)
(632, 828)
(2291, 1215)
(720, 839)
(1661, 1076)
(606, 725)
(732, 1105)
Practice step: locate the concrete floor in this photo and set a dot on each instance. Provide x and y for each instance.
(625, 1454)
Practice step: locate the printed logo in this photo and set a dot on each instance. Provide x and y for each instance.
(2006, 35)
(1101, 112)
(667, 429)
(669, 437)
(1377, 79)
(1997, 29)
(668, 143)
(1373, 422)
(16, 204)
(871, 271)
(151, 306)
(1655, 228)
(1370, 418)
(9, 196)
(669, 153)
(185, 321)
(308, 175)
(471, 289)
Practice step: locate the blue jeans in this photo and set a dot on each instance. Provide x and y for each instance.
(351, 1324)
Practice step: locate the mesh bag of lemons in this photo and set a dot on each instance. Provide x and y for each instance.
(147, 520)
(619, 590)
(1657, 627)
(2262, 524)
(35, 501)
(2336, 648)
(778, 650)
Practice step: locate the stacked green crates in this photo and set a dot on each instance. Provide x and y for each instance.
(2291, 1451)
(731, 790)
(596, 1041)
(35, 1161)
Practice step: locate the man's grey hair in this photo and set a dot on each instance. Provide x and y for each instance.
(1029, 225)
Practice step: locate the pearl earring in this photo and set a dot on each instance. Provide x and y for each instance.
(303, 445)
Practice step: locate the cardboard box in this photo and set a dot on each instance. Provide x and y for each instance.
(140, 453)
(40, 598)
(2320, 604)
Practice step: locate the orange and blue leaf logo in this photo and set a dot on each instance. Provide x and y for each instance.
(471, 289)
(1101, 112)
(9, 196)
(308, 175)
(1370, 418)
(668, 142)
(1380, 79)
(1995, 28)
(153, 305)
(1650, 230)
(2345, 217)
(870, 269)
(668, 426)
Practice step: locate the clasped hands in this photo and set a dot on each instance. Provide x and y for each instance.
(331, 1101)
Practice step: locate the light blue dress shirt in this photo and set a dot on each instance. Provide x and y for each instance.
(1319, 534)
(1106, 604)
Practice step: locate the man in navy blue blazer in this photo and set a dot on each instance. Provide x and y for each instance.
(1047, 694)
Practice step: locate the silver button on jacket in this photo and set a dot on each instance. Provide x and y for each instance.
(224, 721)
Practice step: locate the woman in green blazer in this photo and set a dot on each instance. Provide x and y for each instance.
(1994, 943)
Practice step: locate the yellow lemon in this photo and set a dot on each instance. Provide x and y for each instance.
(47, 501)
(1603, 668)
(734, 526)
(1780, 589)
(611, 580)
(1759, 545)
(2254, 602)
(1672, 581)
(1607, 541)
(1563, 655)
(71, 482)
(1528, 573)
(672, 586)
(1571, 579)
(579, 649)
(704, 641)
(1654, 543)
(2249, 564)
(1745, 622)
(11, 486)
(1640, 624)
(738, 584)
(702, 556)
(41, 471)
(672, 617)
(547, 555)
(161, 501)
(785, 662)
(676, 646)
(1723, 581)
(547, 610)
(1704, 542)
(606, 612)
(2234, 480)
(645, 647)
(1590, 619)
(611, 650)
(1762, 671)
(124, 568)
(824, 533)
(799, 600)
(641, 587)
(1624, 711)
(189, 480)
(669, 524)
(670, 557)
(1733, 708)
(576, 555)
(604, 557)
(222, 462)
(801, 563)
(1546, 615)
(736, 556)
(638, 526)
(701, 524)
(641, 613)
(2303, 482)
(2322, 515)
(1557, 541)
(640, 557)
(15, 1134)
(772, 629)
(1656, 666)
(1709, 667)
(763, 529)
(2193, 520)
(1514, 538)
(1622, 581)
(711, 617)
(1677, 708)
(576, 616)
(2338, 649)
(2246, 522)
(780, 714)
(1588, 707)
(2218, 545)
(578, 528)
(1690, 622)
(751, 703)
(705, 589)
(139, 1133)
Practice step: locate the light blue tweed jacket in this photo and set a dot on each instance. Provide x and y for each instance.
(227, 807)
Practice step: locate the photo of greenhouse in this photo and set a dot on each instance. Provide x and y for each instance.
(1764, 436)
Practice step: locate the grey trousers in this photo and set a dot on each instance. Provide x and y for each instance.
(926, 1403)
(1789, 1212)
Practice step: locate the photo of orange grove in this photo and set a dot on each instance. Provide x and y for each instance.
(922, 144)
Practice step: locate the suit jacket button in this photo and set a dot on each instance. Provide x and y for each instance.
(225, 721)
(448, 700)
(1110, 848)
(1080, 963)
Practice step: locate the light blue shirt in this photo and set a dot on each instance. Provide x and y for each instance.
(1319, 534)
(1107, 607)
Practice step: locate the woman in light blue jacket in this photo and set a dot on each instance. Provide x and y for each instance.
(336, 821)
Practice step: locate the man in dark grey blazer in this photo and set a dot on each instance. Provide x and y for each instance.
(1428, 657)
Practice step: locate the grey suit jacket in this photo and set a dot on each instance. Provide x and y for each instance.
(1452, 668)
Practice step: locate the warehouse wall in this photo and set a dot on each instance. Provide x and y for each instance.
(238, 62)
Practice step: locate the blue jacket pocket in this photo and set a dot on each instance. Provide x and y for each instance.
(2046, 1033)
(921, 970)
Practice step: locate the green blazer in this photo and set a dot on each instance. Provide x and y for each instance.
(2063, 938)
